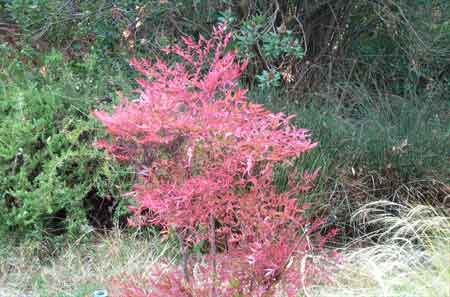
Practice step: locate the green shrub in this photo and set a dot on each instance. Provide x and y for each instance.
(54, 182)
(269, 50)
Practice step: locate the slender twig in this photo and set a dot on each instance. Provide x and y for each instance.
(175, 25)
(305, 41)
(185, 258)
(212, 253)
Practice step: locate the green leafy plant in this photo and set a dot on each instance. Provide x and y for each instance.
(271, 49)
(269, 79)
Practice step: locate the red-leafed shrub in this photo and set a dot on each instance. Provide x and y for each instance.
(205, 157)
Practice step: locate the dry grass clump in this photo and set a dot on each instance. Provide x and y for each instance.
(410, 257)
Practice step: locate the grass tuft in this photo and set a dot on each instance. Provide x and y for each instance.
(411, 256)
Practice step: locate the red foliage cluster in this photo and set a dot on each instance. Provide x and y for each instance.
(206, 156)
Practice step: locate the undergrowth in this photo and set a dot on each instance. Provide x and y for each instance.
(373, 146)
(406, 254)
(407, 136)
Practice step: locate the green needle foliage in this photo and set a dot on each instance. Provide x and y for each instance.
(53, 180)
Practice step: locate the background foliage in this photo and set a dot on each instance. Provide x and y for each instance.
(370, 78)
